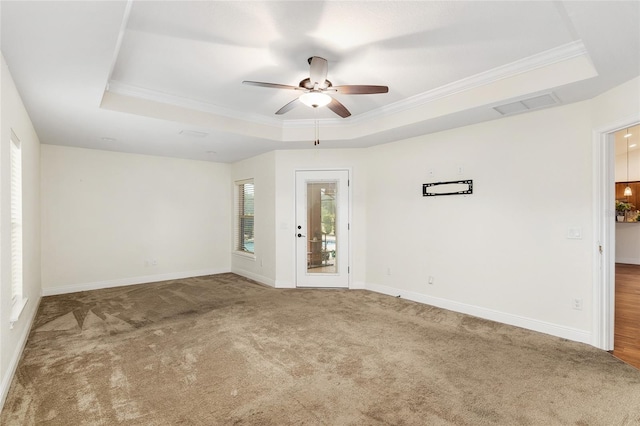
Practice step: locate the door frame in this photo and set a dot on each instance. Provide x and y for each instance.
(349, 218)
(603, 312)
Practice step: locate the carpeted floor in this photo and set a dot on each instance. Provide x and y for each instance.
(224, 350)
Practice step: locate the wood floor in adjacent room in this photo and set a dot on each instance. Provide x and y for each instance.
(627, 316)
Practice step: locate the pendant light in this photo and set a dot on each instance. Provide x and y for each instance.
(627, 190)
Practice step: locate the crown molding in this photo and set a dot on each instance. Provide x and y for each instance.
(125, 89)
(549, 57)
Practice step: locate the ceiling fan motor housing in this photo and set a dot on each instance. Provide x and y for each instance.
(307, 84)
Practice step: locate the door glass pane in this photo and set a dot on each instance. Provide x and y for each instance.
(321, 227)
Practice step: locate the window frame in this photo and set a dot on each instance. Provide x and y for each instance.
(241, 217)
(18, 301)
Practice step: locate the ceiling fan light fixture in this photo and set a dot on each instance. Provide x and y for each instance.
(315, 99)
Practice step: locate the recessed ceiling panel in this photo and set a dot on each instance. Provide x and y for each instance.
(203, 50)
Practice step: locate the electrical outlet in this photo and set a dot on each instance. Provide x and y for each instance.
(430, 281)
(389, 270)
(154, 262)
(576, 303)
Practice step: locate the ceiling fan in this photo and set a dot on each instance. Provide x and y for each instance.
(317, 88)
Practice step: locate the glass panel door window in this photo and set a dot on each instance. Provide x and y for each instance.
(322, 228)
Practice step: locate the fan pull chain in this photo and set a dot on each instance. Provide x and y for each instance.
(316, 140)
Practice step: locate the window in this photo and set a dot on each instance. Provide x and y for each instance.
(245, 217)
(15, 158)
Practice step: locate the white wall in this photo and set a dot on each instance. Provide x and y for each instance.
(618, 105)
(621, 105)
(287, 162)
(501, 253)
(13, 116)
(107, 216)
(262, 266)
(274, 178)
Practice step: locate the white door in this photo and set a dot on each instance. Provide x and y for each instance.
(322, 228)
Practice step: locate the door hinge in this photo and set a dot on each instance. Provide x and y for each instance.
(348, 269)
(348, 182)
(348, 227)
(600, 248)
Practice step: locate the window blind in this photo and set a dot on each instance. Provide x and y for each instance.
(15, 156)
(245, 217)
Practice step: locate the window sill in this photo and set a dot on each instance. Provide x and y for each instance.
(16, 310)
(251, 256)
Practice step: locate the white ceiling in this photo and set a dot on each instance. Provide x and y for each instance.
(625, 143)
(165, 78)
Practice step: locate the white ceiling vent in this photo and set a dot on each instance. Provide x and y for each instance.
(528, 104)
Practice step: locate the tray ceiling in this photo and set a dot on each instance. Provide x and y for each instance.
(165, 78)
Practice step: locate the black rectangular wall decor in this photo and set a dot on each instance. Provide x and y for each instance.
(455, 187)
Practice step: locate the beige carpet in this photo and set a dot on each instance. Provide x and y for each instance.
(224, 350)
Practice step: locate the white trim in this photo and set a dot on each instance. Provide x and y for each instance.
(130, 90)
(516, 320)
(16, 310)
(244, 254)
(243, 181)
(120, 282)
(253, 276)
(15, 357)
(542, 59)
(604, 233)
(350, 181)
(123, 30)
(284, 284)
(628, 260)
(358, 285)
(238, 209)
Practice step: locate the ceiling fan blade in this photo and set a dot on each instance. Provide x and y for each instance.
(338, 108)
(318, 70)
(360, 89)
(270, 85)
(288, 107)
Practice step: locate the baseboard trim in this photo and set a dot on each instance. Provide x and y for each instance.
(490, 314)
(74, 288)
(253, 276)
(285, 284)
(15, 357)
(628, 260)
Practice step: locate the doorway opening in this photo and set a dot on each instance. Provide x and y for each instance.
(626, 334)
(604, 296)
